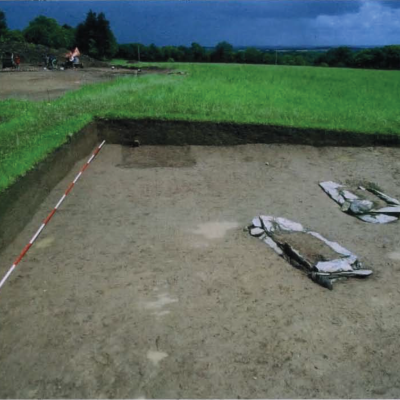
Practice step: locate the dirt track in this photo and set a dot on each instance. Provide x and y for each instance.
(145, 284)
(33, 83)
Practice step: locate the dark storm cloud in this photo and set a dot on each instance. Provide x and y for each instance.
(288, 9)
(248, 22)
(375, 24)
(391, 3)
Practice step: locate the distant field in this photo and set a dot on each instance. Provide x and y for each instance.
(306, 97)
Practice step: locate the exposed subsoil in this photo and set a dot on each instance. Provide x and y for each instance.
(35, 83)
(144, 284)
(365, 194)
(312, 249)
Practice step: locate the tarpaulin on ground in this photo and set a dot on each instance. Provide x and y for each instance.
(324, 261)
(366, 203)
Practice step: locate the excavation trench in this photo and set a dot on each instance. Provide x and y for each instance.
(145, 284)
(19, 202)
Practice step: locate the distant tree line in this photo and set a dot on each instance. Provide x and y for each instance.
(95, 38)
(222, 53)
(387, 57)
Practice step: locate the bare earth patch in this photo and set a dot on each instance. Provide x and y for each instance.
(145, 285)
(34, 83)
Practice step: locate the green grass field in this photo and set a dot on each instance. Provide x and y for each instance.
(306, 97)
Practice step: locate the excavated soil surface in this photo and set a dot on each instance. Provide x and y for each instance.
(157, 156)
(366, 195)
(311, 248)
(144, 284)
(34, 83)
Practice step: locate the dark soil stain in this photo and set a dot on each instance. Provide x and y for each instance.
(157, 156)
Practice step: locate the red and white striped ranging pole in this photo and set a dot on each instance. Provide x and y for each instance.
(46, 221)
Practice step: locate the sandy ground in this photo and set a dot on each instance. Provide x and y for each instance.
(32, 83)
(145, 285)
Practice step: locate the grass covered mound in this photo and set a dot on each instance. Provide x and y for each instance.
(305, 97)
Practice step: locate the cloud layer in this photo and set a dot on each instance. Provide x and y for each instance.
(242, 23)
(375, 23)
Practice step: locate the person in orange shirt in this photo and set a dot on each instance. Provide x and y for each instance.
(17, 61)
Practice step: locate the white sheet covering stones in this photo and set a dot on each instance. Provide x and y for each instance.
(325, 273)
(363, 209)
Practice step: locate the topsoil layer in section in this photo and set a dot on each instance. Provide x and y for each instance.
(206, 133)
(144, 283)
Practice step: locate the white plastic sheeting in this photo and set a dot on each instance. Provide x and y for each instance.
(360, 208)
(325, 272)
